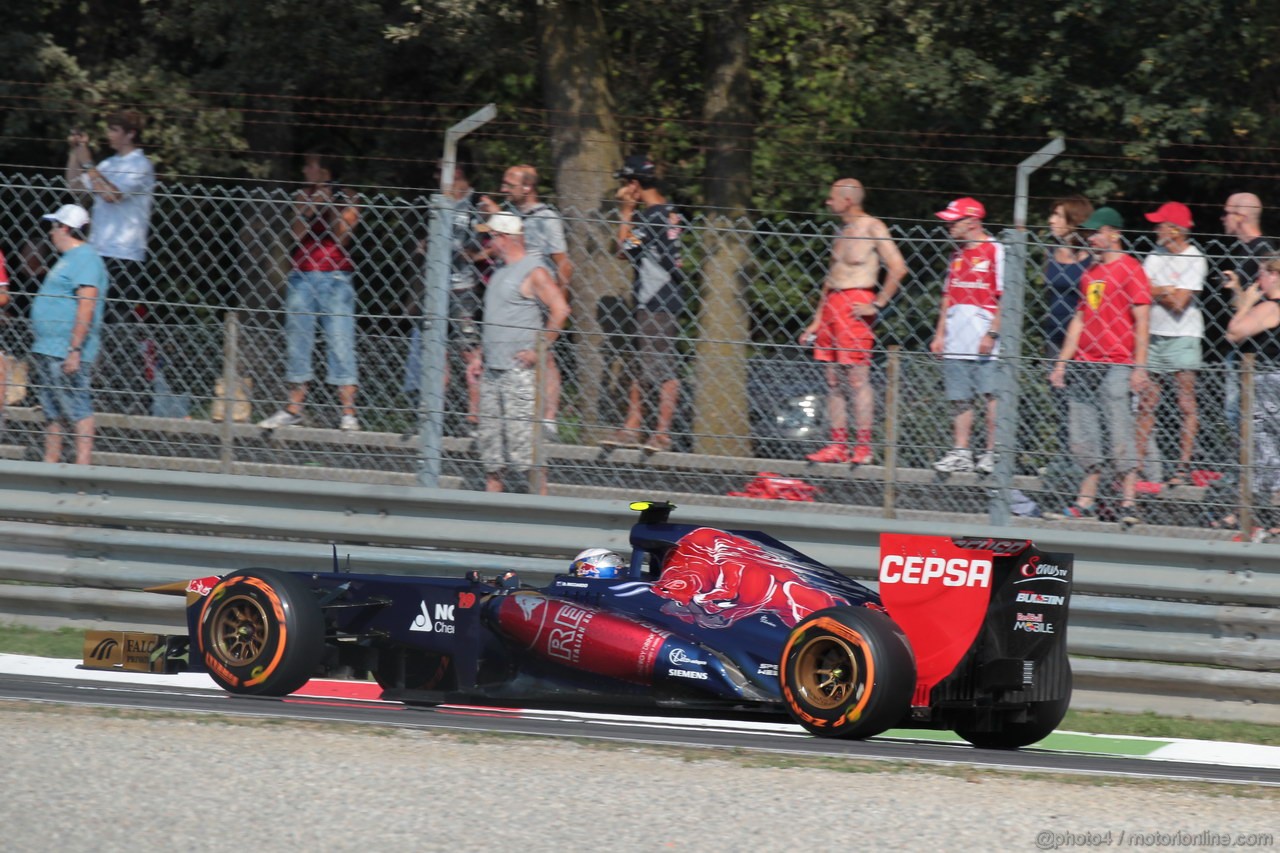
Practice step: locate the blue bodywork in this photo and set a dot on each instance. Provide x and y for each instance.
(435, 638)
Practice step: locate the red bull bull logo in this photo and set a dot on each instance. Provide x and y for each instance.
(714, 579)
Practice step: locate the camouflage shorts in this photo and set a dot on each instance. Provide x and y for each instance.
(505, 435)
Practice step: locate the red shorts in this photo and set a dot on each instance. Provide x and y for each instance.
(843, 337)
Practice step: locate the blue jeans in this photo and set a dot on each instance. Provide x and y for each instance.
(63, 396)
(330, 298)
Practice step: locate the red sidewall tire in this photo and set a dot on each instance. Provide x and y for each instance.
(848, 672)
(261, 633)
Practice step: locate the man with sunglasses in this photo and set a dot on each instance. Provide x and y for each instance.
(518, 295)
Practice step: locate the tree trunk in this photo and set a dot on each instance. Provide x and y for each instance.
(721, 420)
(585, 149)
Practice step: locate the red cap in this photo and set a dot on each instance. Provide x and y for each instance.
(962, 208)
(1173, 212)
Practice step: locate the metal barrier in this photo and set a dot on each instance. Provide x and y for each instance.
(1177, 626)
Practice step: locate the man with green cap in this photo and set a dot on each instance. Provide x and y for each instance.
(1103, 361)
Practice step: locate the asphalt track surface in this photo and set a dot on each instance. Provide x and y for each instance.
(630, 728)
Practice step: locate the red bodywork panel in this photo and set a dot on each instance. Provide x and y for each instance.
(583, 637)
(937, 590)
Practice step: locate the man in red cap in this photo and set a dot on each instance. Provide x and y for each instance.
(968, 332)
(1177, 271)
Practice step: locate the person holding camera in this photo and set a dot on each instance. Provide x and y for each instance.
(649, 237)
(123, 189)
(320, 289)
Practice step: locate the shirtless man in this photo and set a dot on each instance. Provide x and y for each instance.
(841, 332)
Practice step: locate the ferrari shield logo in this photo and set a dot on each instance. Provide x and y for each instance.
(1094, 292)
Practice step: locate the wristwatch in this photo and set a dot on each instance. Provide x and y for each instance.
(87, 166)
(995, 336)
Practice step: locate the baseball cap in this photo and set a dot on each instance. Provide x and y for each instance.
(1103, 216)
(70, 215)
(1173, 212)
(637, 166)
(962, 208)
(502, 223)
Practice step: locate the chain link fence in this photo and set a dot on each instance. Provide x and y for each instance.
(192, 364)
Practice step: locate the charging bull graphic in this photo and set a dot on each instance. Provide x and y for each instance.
(714, 579)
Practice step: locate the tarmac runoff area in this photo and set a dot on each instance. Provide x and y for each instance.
(1157, 749)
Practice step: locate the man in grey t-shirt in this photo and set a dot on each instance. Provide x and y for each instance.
(515, 300)
(543, 238)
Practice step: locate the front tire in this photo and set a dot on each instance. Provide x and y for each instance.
(848, 672)
(261, 633)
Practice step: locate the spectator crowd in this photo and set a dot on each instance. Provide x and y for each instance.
(1126, 338)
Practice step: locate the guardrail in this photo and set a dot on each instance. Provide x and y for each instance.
(1175, 626)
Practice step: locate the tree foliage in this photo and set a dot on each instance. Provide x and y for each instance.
(921, 98)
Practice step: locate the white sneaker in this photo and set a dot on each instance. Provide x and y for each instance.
(281, 418)
(986, 462)
(957, 461)
(349, 424)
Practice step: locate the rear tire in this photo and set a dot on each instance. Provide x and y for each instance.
(1042, 719)
(261, 633)
(848, 672)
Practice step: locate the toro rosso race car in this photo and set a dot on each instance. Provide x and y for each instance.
(967, 634)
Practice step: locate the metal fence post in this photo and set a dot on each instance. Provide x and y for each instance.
(1012, 305)
(230, 387)
(892, 412)
(435, 327)
(435, 305)
(1007, 396)
(537, 468)
(1246, 514)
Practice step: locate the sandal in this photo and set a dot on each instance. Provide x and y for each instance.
(623, 438)
(658, 442)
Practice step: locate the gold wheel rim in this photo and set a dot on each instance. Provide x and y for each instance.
(827, 672)
(240, 630)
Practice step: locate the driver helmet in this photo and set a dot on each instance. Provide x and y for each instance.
(596, 563)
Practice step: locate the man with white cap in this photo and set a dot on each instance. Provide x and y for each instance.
(66, 323)
(1177, 271)
(968, 332)
(514, 301)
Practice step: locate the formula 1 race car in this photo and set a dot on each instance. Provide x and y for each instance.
(967, 634)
